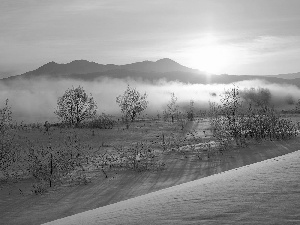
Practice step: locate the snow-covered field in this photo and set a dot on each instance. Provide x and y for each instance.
(267, 192)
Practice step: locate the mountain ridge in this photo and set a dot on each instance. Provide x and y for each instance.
(165, 68)
(287, 75)
(84, 67)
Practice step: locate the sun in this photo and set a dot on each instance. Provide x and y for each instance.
(211, 56)
(213, 59)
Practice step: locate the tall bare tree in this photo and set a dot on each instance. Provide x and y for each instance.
(172, 107)
(297, 108)
(7, 154)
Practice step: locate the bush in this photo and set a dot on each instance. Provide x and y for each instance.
(235, 121)
(138, 156)
(51, 164)
(172, 108)
(190, 112)
(39, 188)
(103, 121)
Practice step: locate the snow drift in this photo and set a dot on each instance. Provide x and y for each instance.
(266, 192)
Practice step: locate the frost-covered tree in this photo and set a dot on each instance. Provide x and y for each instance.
(231, 105)
(259, 98)
(297, 108)
(7, 155)
(172, 107)
(190, 112)
(75, 106)
(132, 103)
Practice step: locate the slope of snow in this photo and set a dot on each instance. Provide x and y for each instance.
(267, 192)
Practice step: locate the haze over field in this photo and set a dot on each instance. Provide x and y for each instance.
(41, 39)
(34, 100)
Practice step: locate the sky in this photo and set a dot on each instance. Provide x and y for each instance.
(257, 37)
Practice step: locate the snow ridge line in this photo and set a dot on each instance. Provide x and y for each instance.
(223, 172)
(180, 186)
(263, 161)
(172, 191)
(207, 177)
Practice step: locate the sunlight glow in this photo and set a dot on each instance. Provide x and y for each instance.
(208, 55)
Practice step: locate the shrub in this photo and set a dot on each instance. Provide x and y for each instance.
(102, 121)
(39, 188)
(138, 156)
(51, 164)
(236, 121)
(172, 108)
(190, 112)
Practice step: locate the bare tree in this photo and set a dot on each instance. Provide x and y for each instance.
(75, 106)
(259, 98)
(54, 163)
(231, 104)
(297, 108)
(7, 155)
(190, 112)
(235, 120)
(132, 103)
(172, 107)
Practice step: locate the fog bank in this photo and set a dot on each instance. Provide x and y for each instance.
(35, 100)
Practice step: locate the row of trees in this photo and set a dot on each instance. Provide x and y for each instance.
(75, 106)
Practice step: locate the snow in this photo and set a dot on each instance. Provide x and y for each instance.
(266, 192)
(200, 146)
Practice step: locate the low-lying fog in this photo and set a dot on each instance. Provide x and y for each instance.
(35, 100)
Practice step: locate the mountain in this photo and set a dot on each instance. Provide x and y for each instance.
(166, 69)
(85, 70)
(86, 67)
(74, 67)
(288, 76)
(160, 66)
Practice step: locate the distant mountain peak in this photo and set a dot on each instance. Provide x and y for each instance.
(80, 61)
(166, 60)
(164, 65)
(52, 63)
(48, 65)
